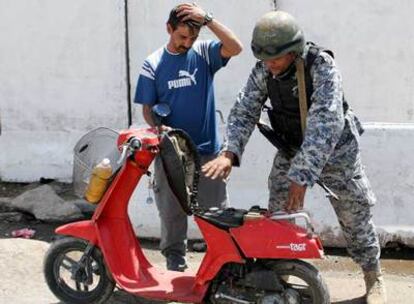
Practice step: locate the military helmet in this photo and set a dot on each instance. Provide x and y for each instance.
(275, 34)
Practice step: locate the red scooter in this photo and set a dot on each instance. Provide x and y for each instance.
(252, 256)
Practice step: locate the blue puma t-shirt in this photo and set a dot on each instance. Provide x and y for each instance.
(185, 83)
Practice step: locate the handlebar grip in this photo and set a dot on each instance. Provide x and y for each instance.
(135, 143)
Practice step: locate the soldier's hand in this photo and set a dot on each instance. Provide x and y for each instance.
(165, 128)
(219, 167)
(296, 197)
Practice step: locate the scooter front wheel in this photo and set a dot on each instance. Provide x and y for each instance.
(76, 273)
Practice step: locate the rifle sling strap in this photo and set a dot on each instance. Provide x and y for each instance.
(303, 104)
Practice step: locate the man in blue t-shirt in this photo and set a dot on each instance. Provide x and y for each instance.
(181, 75)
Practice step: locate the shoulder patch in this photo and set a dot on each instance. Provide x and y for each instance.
(324, 57)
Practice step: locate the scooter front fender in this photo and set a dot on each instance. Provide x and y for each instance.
(269, 239)
(83, 230)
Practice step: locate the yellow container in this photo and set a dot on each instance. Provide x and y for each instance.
(98, 181)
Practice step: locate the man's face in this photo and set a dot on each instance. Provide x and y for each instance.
(279, 65)
(182, 39)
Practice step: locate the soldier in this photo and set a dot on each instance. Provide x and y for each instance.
(327, 151)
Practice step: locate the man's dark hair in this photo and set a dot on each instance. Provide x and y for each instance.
(174, 21)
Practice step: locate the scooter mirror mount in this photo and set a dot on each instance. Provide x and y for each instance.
(160, 111)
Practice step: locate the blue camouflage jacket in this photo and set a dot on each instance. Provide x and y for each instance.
(331, 137)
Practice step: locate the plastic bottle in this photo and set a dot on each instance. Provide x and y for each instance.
(98, 181)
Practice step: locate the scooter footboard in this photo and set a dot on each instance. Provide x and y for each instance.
(269, 238)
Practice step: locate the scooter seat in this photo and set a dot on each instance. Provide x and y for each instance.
(224, 218)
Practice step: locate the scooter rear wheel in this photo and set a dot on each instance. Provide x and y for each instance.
(73, 281)
(303, 279)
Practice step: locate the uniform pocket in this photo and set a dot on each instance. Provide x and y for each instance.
(361, 188)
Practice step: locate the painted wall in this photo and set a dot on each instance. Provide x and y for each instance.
(63, 72)
(370, 88)
(373, 47)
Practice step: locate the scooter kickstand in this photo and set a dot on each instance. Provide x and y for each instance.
(227, 297)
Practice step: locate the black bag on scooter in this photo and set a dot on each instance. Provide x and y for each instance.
(181, 164)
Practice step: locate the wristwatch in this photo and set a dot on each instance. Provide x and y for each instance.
(208, 18)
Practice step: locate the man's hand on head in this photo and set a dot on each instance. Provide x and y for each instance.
(191, 11)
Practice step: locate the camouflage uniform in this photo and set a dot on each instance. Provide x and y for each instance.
(329, 152)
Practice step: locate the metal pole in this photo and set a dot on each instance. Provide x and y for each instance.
(127, 63)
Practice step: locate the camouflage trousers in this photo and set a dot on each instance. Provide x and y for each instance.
(353, 208)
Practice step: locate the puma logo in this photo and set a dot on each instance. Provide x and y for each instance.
(185, 79)
(183, 73)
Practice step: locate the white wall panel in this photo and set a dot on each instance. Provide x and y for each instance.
(62, 72)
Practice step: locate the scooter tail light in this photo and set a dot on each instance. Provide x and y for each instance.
(320, 247)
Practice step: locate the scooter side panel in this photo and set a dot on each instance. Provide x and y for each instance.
(269, 239)
(221, 249)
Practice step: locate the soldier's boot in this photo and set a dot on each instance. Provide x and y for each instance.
(374, 283)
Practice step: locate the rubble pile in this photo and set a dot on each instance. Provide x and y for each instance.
(49, 203)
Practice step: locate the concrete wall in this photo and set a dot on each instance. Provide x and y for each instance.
(367, 69)
(63, 72)
(373, 47)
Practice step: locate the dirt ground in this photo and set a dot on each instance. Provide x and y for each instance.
(22, 281)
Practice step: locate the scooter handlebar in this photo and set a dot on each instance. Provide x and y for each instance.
(135, 143)
(132, 145)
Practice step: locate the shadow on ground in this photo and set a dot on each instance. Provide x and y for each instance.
(360, 300)
(122, 297)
